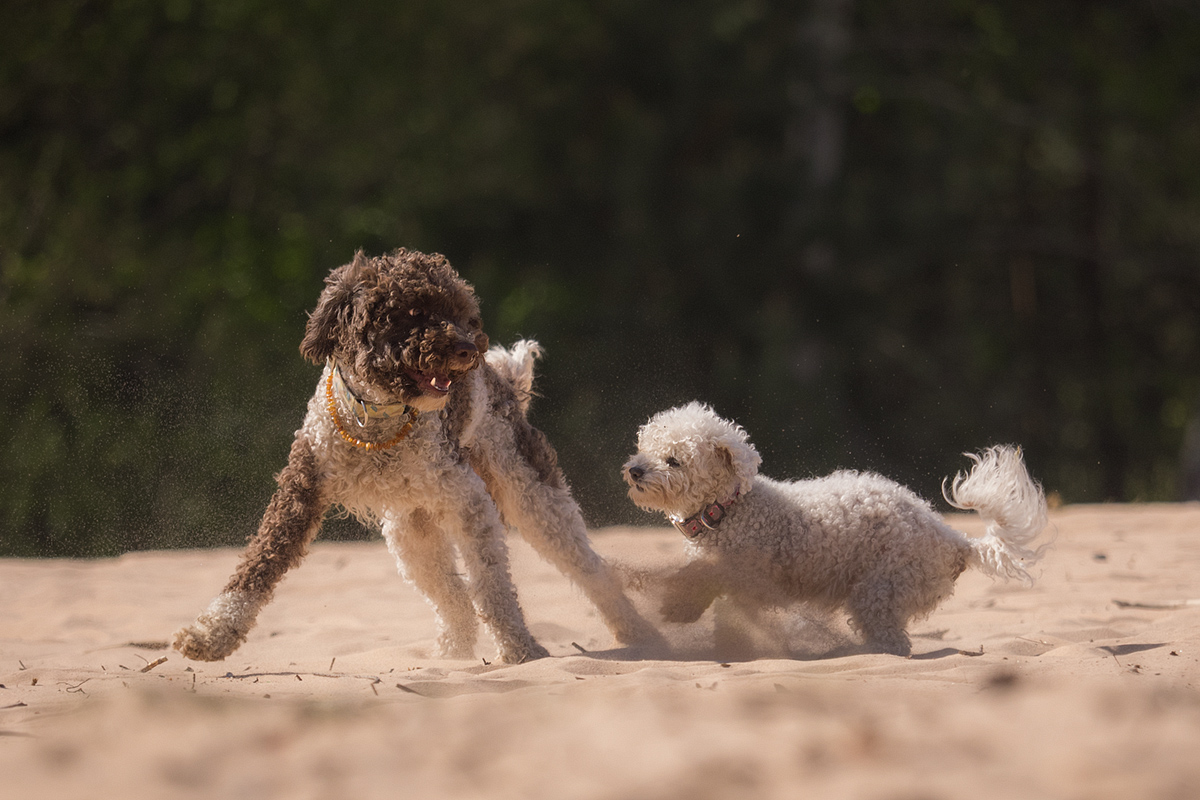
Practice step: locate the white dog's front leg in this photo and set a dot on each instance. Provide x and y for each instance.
(689, 591)
(485, 553)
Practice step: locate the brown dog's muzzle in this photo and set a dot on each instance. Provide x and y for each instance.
(466, 352)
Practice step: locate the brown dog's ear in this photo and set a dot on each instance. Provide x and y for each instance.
(333, 309)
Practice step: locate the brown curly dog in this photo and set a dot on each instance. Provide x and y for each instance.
(417, 427)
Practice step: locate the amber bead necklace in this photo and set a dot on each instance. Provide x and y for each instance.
(368, 446)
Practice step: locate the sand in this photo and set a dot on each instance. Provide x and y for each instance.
(1083, 686)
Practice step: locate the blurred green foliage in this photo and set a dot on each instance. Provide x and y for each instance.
(875, 233)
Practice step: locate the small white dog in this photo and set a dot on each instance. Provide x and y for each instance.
(850, 540)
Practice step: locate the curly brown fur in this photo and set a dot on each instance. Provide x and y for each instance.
(531, 443)
(288, 526)
(400, 321)
(404, 329)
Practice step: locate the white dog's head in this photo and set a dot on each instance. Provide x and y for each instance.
(688, 458)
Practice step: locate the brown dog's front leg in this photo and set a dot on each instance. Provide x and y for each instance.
(288, 526)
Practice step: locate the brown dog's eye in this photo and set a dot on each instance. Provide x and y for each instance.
(672, 462)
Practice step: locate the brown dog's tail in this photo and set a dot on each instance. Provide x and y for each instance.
(515, 366)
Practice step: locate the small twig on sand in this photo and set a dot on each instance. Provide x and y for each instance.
(153, 664)
(577, 647)
(410, 690)
(331, 663)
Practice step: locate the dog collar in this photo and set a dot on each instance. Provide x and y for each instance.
(362, 410)
(357, 405)
(708, 518)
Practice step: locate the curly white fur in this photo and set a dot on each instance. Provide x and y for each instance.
(1000, 490)
(851, 539)
(515, 365)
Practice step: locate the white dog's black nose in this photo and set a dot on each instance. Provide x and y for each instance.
(636, 473)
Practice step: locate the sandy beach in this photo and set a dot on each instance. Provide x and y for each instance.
(1083, 686)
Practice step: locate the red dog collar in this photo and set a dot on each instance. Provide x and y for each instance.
(707, 518)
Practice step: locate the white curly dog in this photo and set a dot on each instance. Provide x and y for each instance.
(852, 540)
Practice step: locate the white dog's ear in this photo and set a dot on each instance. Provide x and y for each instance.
(742, 457)
(333, 310)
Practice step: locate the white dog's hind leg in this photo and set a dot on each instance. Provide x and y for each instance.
(426, 559)
(875, 612)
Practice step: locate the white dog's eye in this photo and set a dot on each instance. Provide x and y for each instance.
(672, 462)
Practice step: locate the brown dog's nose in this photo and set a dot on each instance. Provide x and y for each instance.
(466, 349)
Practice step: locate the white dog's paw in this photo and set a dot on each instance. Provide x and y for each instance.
(689, 592)
(684, 606)
(894, 643)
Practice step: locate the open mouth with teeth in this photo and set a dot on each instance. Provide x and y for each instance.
(433, 384)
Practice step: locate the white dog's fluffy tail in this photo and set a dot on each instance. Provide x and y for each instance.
(515, 365)
(1000, 490)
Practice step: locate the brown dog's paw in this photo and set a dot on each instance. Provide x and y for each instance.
(637, 632)
(221, 629)
(200, 644)
(531, 651)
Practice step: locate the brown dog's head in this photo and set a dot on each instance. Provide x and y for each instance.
(404, 324)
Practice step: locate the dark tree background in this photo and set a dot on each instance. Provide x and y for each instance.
(876, 233)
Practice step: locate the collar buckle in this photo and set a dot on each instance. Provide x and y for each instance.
(708, 518)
